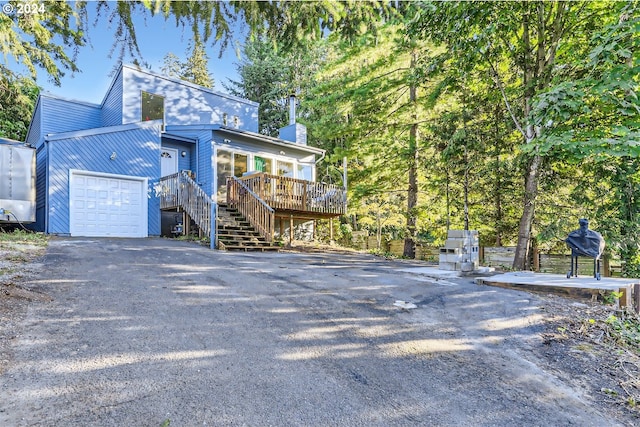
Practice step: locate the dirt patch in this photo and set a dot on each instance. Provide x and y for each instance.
(586, 347)
(19, 264)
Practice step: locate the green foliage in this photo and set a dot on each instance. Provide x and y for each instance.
(17, 100)
(21, 236)
(195, 69)
(269, 74)
(625, 329)
(44, 39)
(594, 112)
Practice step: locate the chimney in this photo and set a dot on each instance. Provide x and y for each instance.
(294, 132)
(292, 109)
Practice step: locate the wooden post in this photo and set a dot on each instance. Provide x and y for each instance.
(536, 259)
(290, 230)
(606, 266)
(331, 229)
(636, 297)
(184, 223)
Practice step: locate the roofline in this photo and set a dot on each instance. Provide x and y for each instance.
(33, 115)
(62, 98)
(113, 82)
(100, 131)
(178, 137)
(12, 142)
(186, 83)
(248, 134)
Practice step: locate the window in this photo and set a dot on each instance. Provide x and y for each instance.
(225, 119)
(239, 164)
(223, 170)
(152, 107)
(285, 168)
(236, 122)
(305, 172)
(263, 164)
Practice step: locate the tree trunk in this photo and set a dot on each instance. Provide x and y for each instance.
(412, 196)
(526, 221)
(412, 190)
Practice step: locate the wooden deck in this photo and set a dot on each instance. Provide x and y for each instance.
(260, 197)
(297, 197)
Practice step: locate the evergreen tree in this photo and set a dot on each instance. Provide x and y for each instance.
(196, 68)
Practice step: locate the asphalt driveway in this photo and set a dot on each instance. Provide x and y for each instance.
(141, 331)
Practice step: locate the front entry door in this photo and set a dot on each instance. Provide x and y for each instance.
(168, 161)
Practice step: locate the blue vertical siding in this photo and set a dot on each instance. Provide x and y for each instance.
(138, 154)
(185, 103)
(112, 104)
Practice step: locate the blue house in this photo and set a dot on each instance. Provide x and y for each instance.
(160, 144)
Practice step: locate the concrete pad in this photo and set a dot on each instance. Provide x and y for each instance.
(434, 272)
(574, 286)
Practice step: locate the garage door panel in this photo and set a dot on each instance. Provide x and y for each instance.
(106, 206)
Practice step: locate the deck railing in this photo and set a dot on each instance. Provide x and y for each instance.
(181, 191)
(251, 206)
(284, 193)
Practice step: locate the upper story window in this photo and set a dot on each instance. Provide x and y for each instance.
(152, 107)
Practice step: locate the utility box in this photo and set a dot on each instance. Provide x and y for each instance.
(461, 251)
(17, 182)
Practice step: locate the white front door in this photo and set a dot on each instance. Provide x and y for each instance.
(168, 161)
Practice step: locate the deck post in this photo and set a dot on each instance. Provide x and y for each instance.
(290, 230)
(213, 235)
(331, 230)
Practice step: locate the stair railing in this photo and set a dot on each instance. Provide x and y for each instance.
(285, 193)
(181, 191)
(259, 214)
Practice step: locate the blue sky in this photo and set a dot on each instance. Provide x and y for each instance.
(156, 37)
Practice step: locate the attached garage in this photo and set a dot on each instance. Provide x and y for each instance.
(107, 205)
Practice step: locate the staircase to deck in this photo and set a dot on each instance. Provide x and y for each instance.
(235, 233)
(247, 220)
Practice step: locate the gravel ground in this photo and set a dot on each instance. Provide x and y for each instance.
(145, 332)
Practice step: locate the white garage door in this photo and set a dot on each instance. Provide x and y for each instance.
(102, 205)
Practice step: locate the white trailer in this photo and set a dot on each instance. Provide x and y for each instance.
(17, 182)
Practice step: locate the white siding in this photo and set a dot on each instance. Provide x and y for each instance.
(185, 103)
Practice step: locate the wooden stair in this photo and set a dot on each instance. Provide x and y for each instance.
(235, 233)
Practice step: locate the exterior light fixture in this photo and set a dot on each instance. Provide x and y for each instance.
(282, 153)
(183, 154)
(113, 156)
